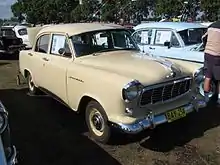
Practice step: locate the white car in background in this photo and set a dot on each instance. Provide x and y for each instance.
(174, 40)
(179, 40)
(20, 31)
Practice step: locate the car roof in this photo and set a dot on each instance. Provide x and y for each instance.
(78, 28)
(178, 26)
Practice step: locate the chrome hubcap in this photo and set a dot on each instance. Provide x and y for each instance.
(96, 122)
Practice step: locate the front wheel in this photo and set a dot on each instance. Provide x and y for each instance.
(97, 122)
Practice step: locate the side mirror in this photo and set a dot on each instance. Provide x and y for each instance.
(167, 44)
(61, 51)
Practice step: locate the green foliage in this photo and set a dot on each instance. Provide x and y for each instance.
(56, 11)
(211, 8)
(84, 11)
(169, 7)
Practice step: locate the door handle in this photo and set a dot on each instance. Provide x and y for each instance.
(152, 48)
(30, 54)
(45, 59)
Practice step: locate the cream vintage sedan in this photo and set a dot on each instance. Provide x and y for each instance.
(97, 69)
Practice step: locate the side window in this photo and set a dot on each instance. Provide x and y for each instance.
(162, 36)
(60, 46)
(174, 41)
(42, 44)
(143, 37)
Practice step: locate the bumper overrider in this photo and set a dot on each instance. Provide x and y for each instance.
(8, 152)
(151, 120)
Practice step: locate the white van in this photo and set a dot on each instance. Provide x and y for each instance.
(21, 32)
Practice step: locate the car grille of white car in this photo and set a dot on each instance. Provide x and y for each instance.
(165, 92)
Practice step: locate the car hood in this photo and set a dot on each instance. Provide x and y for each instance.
(148, 70)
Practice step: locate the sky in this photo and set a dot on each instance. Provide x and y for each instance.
(5, 8)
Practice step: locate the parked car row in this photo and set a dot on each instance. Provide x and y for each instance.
(98, 70)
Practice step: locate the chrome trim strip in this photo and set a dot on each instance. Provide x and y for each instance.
(151, 121)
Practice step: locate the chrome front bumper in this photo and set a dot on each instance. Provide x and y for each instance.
(151, 121)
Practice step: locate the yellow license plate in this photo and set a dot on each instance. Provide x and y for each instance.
(175, 114)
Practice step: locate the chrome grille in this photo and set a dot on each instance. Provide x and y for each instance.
(165, 92)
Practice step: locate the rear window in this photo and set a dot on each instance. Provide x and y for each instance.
(22, 32)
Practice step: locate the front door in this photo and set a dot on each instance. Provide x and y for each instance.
(165, 35)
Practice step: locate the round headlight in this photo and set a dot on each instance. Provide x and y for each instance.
(131, 90)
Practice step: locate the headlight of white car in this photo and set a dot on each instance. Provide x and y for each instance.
(3, 118)
(131, 90)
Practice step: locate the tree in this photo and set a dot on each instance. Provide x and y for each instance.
(85, 11)
(169, 7)
(17, 10)
(211, 9)
(44, 11)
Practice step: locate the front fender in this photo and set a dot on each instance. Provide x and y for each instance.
(102, 86)
(187, 66)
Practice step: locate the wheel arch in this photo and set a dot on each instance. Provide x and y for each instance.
(84, 101)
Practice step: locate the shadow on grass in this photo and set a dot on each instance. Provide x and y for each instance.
(166, 137)
(47, 133)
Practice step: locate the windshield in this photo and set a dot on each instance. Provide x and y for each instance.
(103, 41)
(192, 36)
